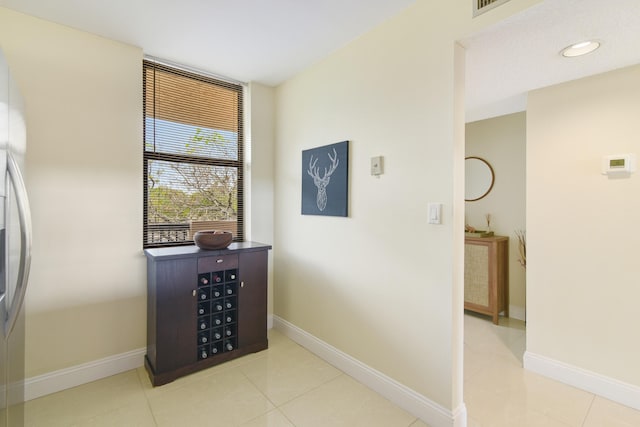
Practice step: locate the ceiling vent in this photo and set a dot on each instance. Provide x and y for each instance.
(482, 6)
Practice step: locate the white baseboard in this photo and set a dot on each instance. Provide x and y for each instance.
(460, 416)
(430, 412)
(609, 388)
(269, 321)
(517, 312)
(63, 379)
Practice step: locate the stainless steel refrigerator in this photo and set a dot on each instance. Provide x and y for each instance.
(15, 249)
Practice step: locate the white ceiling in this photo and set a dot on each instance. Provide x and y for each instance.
(521, 53)
(270, 41)
(267, 41)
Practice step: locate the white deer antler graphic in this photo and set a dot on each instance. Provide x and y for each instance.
(321, 183)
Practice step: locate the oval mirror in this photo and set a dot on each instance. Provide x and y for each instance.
(478, 178)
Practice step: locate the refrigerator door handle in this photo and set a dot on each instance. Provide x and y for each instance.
(24, 213)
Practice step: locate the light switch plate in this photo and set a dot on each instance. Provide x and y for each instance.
(435, 213)
(376, 165)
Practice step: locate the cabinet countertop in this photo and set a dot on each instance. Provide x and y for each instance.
(189, 251)
(485, 239)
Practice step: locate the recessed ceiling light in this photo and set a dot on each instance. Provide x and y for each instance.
(579, 49)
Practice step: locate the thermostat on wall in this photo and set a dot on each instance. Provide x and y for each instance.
(619, 164)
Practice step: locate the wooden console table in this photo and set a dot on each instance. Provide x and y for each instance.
(486, 275)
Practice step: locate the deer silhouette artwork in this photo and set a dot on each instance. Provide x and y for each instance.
(322, 183)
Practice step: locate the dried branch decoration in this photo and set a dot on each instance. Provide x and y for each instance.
(522, 247)
(487, 217)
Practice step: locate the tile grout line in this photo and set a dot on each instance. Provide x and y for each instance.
(278, 407)
(275, 407)
(586, 415)
(259, 391)
(316, 387)
(146, 397)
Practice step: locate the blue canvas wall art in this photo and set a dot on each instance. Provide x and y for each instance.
(325, 180)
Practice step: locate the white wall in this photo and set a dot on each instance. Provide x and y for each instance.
(583, 270)
(501, 141)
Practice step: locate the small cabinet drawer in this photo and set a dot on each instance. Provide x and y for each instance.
(217, 263)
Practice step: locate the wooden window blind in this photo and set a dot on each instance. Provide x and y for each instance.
(193, 155)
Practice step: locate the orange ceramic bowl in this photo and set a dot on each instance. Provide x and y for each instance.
(212, 239)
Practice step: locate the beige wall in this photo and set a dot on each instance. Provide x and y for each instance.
(86, 298)
(259, 167)
(381, 285)
(369, 284)
(83, 96)
(502, 142)
(583, 269)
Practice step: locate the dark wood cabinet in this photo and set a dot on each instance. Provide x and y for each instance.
(204, 307)
(170, 331)
(252, 323)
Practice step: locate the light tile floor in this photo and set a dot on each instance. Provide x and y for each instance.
(283, 386)
(288, 386)
(498, 392)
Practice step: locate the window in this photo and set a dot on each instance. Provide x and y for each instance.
(193, 159)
